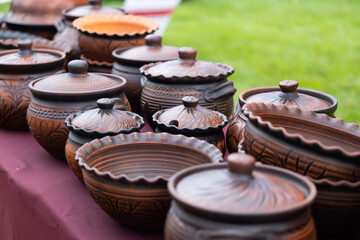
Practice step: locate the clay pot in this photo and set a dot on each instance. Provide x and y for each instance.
(17, 69)
(287, 94)
(37, 17)
(99, 35)
(240, 200)
(97, 123)
(128, 62)
(56, 97)
(8, 34)
(192, 120)
(167, 83)
(69, 34)
(127, 174)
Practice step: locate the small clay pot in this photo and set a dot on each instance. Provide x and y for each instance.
(129, 61)
(99, 35)
(97, 123)
(167, 83)
(17, 69)
(240, 200)
(56, 97)
(192, 120)
(287, 94)
(127, 174)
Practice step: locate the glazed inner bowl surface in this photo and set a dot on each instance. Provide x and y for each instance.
(118, 27)
(149, 160)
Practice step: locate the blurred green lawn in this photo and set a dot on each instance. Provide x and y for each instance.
(314, 42)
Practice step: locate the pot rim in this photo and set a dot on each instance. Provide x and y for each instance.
(296, 113)
(69, 17)
(165, 138)
(336, 184)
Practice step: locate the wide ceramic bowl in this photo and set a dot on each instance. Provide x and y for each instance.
(127, 174)
(99, 35)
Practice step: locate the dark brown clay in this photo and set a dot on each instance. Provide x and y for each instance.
(287, 94)
(17, 69)
(167, 83)
(127, 174)
(192, 120)
(99, 35)
(37, 17)
(97, 123)
(56, 97)
(129, 61)
(240, 200)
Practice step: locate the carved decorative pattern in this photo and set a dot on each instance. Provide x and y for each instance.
(235, 133)
(48, 114)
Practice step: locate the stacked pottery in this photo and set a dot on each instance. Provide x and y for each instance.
(128, 62)
(167, 83)
(69, 34)
(17, 69)
(102, 121)
(287, 94)
(192, 120)
(99, 35)
(56, 97)
(325, 149)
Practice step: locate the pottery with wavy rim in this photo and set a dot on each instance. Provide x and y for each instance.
(127, 174)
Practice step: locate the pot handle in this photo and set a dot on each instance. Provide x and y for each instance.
(143, 81)
(225, 89)
(232, 234)
(122, 104)
(59, 25)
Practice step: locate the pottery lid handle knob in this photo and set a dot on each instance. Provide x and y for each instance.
(190, 101)
(78, 67)
(25, 47)
(288, 85)
(241, 163)
(152, 40)
(187, 53)
(95, 2)
(105, 103)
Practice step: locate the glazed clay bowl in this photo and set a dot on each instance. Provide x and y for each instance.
(127, 174)
(99, 35)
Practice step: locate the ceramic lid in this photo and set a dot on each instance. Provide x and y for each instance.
(104, 120)
(187, 69)
(241, 187)
(93, 7)
(189, 116)
(289, 94)
(77, 83)
(153, 51)
(27, 58)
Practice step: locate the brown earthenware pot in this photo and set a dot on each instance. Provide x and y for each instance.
(97, 123)
(69, 34)
(17, 69)
(128, 62)
(192, 120)
(240, 200)
(167, 83)
(56, 97)
(127, 174)
(99, 35)
(37, 17)
(287, 94)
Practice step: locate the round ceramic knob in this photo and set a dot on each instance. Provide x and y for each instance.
(95, 2)
(25, 47)
(190, 101)
(78, 67)
(288, 85)
(152, 40)
(187, 53)
(241, 163)
(105, 103)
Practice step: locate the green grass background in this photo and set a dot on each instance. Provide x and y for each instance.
(316, 43)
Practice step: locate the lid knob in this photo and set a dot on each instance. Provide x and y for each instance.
(190, 101)
(78, 67)
(95, 2)
(105, 103)
(241, 163)
(152, 40)
(25, 47)
(288, 85)
(187, 53)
